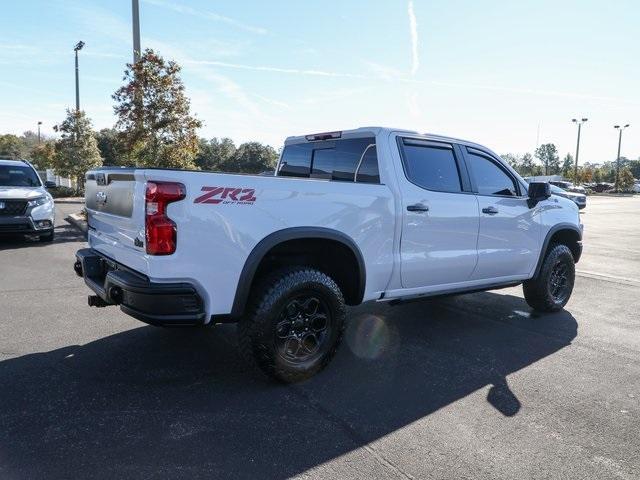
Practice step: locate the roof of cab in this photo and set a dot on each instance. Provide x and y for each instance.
(380, 130)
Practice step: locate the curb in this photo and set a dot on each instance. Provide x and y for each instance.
(77, 221)
(614, 195)
(78, 201)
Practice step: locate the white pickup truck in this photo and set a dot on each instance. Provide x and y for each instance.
(372, 214)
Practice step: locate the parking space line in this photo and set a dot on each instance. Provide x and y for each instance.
(608, 278)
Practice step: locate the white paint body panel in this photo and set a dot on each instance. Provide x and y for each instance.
(404, 254)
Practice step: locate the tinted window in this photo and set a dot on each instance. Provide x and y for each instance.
(324, 160)
(296, 161)
(490, 178)
(368, 171)
(332, 160)
(432, 167)
(18, 176)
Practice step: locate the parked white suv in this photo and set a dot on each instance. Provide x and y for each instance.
(26, 208)
(372, 214)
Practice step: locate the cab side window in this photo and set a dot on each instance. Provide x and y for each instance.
(490, 178)
(431, 166)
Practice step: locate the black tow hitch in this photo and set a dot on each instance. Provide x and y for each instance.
(96, 301)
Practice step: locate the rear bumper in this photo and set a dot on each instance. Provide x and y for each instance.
(167, 304)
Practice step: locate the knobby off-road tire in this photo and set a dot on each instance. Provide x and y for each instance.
(294, 324)
(48, 237)
(551, 289)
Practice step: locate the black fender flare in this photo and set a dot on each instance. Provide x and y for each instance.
(547, 239)
(295, 233)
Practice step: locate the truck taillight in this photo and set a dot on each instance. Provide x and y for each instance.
(160, 230)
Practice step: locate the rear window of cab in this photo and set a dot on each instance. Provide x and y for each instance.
(346, 160)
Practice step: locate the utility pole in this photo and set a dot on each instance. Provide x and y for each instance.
(135, 13)
(620, 129)
(575, 171)
(76, 49)
(39, 123)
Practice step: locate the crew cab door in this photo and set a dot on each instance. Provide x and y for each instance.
(509, 230)
(440, 217)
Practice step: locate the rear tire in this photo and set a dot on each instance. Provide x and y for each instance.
(294, 324)
(551, 289)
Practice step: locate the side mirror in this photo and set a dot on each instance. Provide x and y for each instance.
(50, 184)
(538, 191)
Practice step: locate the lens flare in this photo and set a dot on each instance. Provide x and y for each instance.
(368, 337)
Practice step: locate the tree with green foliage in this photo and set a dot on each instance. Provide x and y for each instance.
(156, 128)
(626, 180)
(514, 160)
(547, 153)
(43, 154)
(597, 175)
(216, 154)
(11, 147)
(76, 149)
(567, 165)
(634, 166)
(29, 141)
(254, 157)
(110, 148)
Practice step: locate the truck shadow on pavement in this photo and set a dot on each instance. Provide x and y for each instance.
(152, 402)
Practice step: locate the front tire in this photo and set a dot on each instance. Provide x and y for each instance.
(294, 324)
(551, 289)
(47, 237)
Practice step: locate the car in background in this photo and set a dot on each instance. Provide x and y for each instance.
(636, 187)
(568, 186)
(26, 208)
(599, 187)
(577, 198)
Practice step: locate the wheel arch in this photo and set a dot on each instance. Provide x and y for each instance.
(563, 233)
(281, 237)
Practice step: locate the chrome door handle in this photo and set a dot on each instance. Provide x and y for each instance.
(417, 207)
(490, 210)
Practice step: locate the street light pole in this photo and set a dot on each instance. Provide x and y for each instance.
(575, 171)
(39, 123)
(620, 129)
(135, 13)
(76, 49)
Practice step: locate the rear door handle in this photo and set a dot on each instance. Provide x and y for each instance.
(417, 207)
(490, 210)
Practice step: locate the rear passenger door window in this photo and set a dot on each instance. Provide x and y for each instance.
(490, 178)
(432, 166)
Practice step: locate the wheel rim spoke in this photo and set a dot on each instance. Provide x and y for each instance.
(283, 329)
(318, 323)
(303, 328)
(311, 306)
(559, 281)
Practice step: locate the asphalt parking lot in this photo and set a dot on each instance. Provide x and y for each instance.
(472, 386)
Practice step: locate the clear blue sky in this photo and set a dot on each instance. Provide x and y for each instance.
(489, 71)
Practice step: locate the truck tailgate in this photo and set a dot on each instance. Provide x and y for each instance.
(115, 215)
